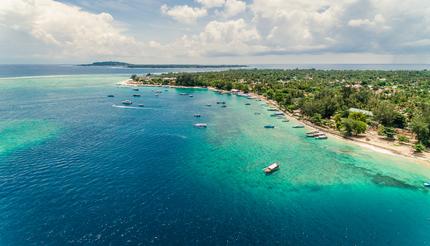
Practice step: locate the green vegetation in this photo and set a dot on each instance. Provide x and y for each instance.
(389, 100)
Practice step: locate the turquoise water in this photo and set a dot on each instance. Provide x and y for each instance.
(76, 169)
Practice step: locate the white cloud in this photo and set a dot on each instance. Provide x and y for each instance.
(67, 30)
(228, 38)
(211, 3)
(184, 13)
(233, 7)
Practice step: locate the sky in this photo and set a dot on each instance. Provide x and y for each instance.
(215, 31)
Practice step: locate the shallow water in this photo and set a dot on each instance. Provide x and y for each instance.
(76, 169)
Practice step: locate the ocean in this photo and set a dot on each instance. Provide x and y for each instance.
(78, 168)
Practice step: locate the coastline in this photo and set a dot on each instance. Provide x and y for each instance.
(369, 141)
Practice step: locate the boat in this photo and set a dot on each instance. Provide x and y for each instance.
(224, 106)
(191, 96)
(110, 96)
(221, 102)
(285, 120)
(136, 95)
(201, 125)
(426, 184)
(141, 105)
(271, 168)
(269, 126)
(277, 114)
(183, 94)
(257, 113)
(247, 104)
(197, 115)
(299, 126)
(135, 89)
(208, 105)
(322, 136)
(272, 109)
(313, 134)
(127, 102)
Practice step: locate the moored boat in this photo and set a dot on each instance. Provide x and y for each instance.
(277, 114)
(201, 125)
(313, 134)
(322, 136)
(247, 104)
(135, 89)
(110, 95)
(299, 126)
(426, 184)
(269, 126)
(191, 96)
(271, 168)
(208, 105)
(224, 106)
(127, 102)
(272, 109)
(183, 94)
(197, 115)
(141, 105)
(136, 95)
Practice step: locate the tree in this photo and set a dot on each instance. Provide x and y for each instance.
(419, 147)
(421, 129)
(353, 127)
(389, 132)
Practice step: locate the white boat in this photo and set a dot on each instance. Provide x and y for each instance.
(322, 136)
(201, 125)
(299, 126)
(127, 102)
(426, 184)
(271, 168)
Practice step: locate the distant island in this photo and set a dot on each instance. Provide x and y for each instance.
(129, 65)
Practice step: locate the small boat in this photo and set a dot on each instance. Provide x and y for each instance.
(247, 104)
(208, 105)
(183, 94)
(135, 89)
(277, 114)
(323, 136)
(313, 134)
(191, 96)
(299, 126)
(256, 113)
(141, 105)
(271, 168)
(110, 96)
(426, 184)
(272, 109)
(269, 126)
(127, 102)
(166, 90)
(201, 125)
(136, 95)
(158, 91)
(197, 115)
(224, 106)
(220, 102)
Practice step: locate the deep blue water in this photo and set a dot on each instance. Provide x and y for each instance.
(75, 169)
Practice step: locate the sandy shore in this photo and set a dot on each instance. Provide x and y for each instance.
(370, 140)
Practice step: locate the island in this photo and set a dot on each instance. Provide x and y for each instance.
(129, 65)
(386, 109)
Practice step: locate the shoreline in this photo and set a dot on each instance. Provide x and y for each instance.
(379, 146)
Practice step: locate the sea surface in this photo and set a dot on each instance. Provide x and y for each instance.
(77, 167)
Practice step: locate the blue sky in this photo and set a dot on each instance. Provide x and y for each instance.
(215, 31)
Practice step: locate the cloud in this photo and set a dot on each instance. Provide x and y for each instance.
(67, 30)
(184, 13)
(219, 38)
(211, 3)
(233, 8)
